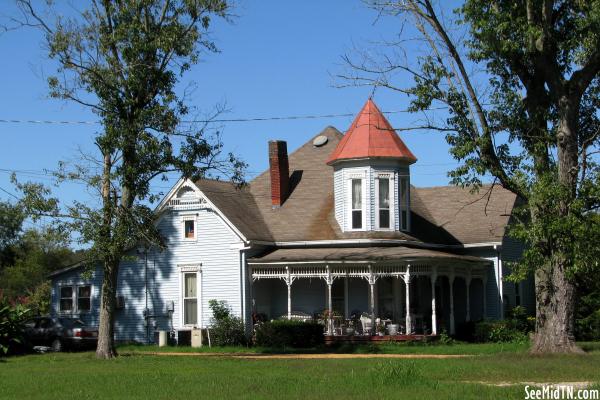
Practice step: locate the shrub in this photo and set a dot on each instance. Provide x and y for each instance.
(12, 329)
(445, 338)
(226, 329)
(498, 332)
(284, 333)
(588, 328)
(516, 328)
(39, 298)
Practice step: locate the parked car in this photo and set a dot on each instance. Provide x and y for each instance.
(60, 333)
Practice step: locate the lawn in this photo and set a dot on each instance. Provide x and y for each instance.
(81, 376)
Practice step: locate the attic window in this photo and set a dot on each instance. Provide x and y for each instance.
(189, 227)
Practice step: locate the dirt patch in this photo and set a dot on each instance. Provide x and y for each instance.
(301, 356)
(575, 385)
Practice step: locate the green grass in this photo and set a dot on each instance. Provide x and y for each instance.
(81, 376)
(379, 348)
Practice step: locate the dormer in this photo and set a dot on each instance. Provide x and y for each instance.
(372, 175)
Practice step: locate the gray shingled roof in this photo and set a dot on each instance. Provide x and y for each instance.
(358, 254)
(441, 215)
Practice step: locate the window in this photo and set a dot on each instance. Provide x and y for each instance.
(190, 298)
(75, 299)
(84, 295)
(383, 203)
(66, 298)
(357, 204)
(189, 229)
(404, 203)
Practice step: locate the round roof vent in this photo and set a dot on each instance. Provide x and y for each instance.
(320, 141)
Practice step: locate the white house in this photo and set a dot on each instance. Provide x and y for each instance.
(334, 226)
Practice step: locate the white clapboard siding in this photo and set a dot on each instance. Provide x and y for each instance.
(216, 250)
(338, 193)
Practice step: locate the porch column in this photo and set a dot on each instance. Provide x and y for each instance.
(372, 292)
(468, 285)
(451, 284)
(329, 282)
(407, 279)
(288, 281)
(433, 305)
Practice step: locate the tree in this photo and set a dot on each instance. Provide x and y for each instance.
(533, 125)
(123, 59)
(36, 253)
(11, 224)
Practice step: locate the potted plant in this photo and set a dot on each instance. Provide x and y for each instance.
(350, 328)
(380, 329)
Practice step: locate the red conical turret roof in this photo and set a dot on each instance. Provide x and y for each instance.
(371, 136)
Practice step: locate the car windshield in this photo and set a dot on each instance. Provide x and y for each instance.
(71, 322)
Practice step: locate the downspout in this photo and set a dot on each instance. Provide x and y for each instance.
(243, 278)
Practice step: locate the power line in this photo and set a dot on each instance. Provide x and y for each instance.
(9, 193)
(208, 121)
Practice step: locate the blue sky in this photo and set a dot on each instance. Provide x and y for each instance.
(277, 59)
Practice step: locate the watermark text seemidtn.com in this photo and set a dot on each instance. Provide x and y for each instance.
(560, 392)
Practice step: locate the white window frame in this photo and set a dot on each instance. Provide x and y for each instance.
(392, 200)
(404, 206)
(193, 218)
(364, 200)
(190, 269)
(75, 298)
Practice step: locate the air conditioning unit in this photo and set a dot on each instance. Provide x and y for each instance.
(120, 303)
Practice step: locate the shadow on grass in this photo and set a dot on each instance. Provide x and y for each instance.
(416, 347)
(590, 347)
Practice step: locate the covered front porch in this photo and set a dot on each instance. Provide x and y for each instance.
(375, 291)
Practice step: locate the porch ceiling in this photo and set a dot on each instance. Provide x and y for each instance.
(365, 254)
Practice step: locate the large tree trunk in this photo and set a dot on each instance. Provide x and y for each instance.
(555, 293)
(555, 304)
(106, 338)
(106, 341)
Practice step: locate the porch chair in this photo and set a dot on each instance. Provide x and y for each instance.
(367, 325)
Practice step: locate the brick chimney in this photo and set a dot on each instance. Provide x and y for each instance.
(280, 172)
